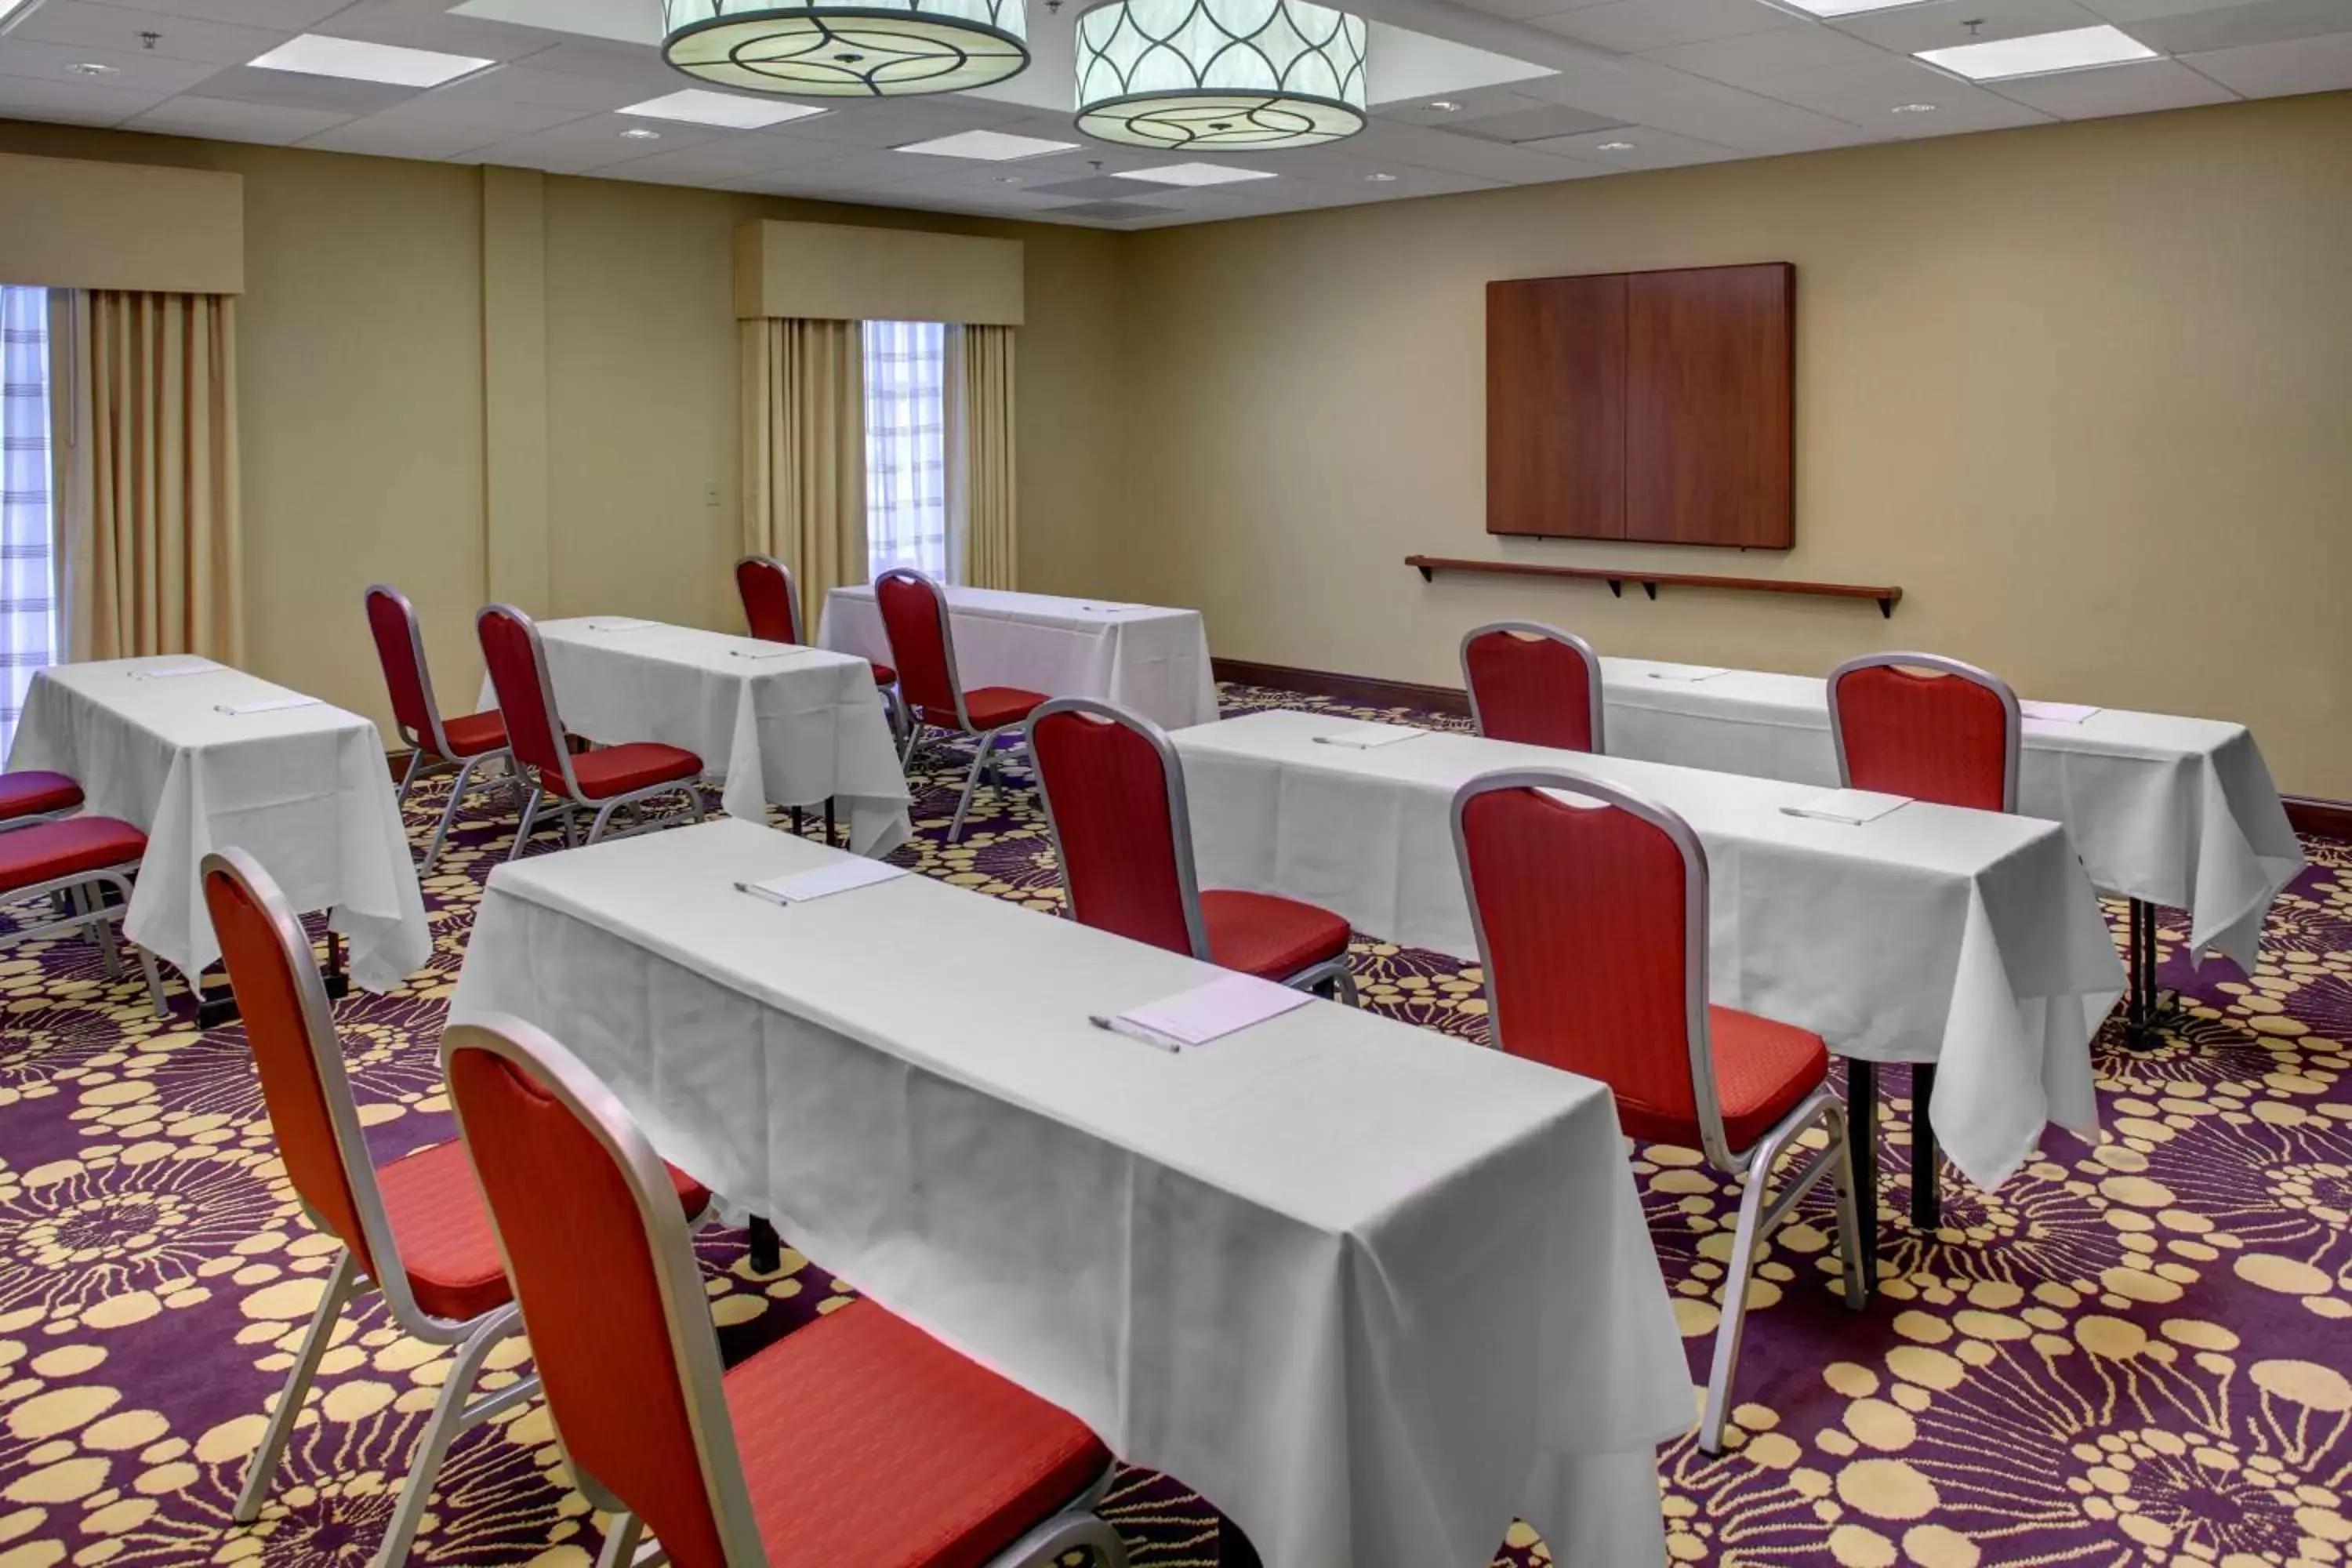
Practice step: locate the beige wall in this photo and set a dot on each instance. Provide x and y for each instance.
(363, 334)
(2084, 391)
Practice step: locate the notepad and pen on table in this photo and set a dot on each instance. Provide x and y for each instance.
(2057, 712)
(1687, 674)
(1225, 1006)
(1365, 737)
(172, 671)
(838, 877)
(266, 705)
(792, 650)
(620, 623)
(1852, 807)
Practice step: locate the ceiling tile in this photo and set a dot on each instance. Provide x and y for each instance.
(1423, 148)
(188, 115)
(85, 25)
(532, 85)
(894, 122)
(2307, 64)
(1906, 29)
(71, 103)
(2143, 87)
(137, 72)
(1629, 26)
(1830, 73)
(299, 89)
(1647, 148)
(291, 15)
(2127, 11)
(2235, 27)
(381, 136)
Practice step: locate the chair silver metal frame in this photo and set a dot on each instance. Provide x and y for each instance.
(1331, 972)
(693, 1342)
(892, 711)
(984, 757)
(476, 1337)
(571, 798)
(1532, 631)
(437, 742)
(2011, 739)
(76, 901)
(1751, 1166)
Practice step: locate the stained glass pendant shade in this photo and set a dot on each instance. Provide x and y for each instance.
(1220, 75)
(873, 49)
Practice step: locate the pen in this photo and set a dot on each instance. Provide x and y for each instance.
(1111, 1026)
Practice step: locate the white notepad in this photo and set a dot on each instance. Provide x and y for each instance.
(1851, 806)
(1364, 737)
(1225, 1006)
(169, 671)
(839, 877)
(787, 650)
(265, 705)
(2057, 712)
(1687, 673)
(620, 623)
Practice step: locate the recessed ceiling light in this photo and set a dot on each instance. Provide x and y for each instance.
(92, 68)
(1379, 179)
(1616, 147)
(1846, 8)
(1914, 109)
(639, 134)
(728, 110)
(1193, 175)
(1446, 106)
(2077, 48)
(990, 146)
(315, 54)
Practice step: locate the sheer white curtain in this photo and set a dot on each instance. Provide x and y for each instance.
(28, 577)
(906, 448)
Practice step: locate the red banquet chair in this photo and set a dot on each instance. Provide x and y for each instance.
(922, 645)
(1592, 926)
(1533, 684)
(467, 742)
(414, 1229)
(35, 795)
(856, 1440)
(70, 863)
(771, 608)
(1114, 795)
(1948, 736)
(608, 778)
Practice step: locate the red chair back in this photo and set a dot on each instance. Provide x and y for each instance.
(400, 649)
(1533, 684)
(1929, 728)
(770, 607)
(1591, 924)
(915, 618)
(1113, 798)
(603, 1266)
(526, 698)
(296, 1053)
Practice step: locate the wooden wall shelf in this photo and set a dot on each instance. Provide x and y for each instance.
(1650, 582)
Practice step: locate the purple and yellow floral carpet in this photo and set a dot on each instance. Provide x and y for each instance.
(2135, 1355)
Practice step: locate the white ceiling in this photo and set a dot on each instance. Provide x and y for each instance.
(1543, 86)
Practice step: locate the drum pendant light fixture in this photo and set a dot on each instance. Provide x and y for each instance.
(872, 48)
(1220, 75)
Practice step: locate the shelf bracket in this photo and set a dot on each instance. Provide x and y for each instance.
(1616, 587)
(1429, 574)
(1885, 607)
(1651, 589)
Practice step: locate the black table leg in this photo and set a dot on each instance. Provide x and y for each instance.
(2143, 1003)
(828, 822)
(796, 822)
(1862, 1146)
(1926, 1175)
(216, 1005)
(767, 1249)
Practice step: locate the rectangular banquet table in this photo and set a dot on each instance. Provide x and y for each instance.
(2164, 810)
(1965, 939)
(305, 789)
(1371, 1291)
(1151, 659)
(781, 725)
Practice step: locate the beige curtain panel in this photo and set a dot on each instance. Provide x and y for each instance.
(805, 452)
(147, 475)
(980, 458)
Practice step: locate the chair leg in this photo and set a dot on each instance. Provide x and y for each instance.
(694, 802)
(449, 814)
(262, 1467)
(99, 929)
(408, 779)
(447, 1420)
(1050, 1542)
(970, 782)
(595, 828)
(1735, 1269)
(1852, 1254)
(522, 830)
(620, 1541)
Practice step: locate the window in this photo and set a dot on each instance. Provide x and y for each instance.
(29, 576)
(906, 448)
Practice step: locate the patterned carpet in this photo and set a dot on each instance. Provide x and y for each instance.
(2134, 1356)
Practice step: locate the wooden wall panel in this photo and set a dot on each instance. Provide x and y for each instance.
(1556, 406)
(1710, 454)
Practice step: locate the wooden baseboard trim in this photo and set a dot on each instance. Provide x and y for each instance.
(2328, 818)
(1368, 691)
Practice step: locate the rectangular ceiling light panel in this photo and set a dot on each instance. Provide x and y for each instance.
(315, 54)
(989, 146)
(1193, 175)
(2042, 54)
(728, 110)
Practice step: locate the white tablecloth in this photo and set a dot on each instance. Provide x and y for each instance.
(1153, 660)
(1370, 1289)
(789, 731)
(1964, 938)
(2180, 811)
(305, 790)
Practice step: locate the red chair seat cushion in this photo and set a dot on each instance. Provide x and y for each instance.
(31, 793)
(474, 733)
(1762, 1068)
(443, 1232)
(1274, 938)
(617, 770)
(885, 676)
(48, 850)
(991, 708)
(865, 1441)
